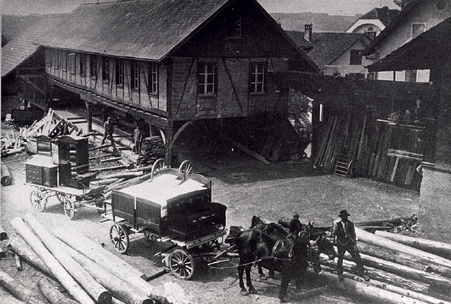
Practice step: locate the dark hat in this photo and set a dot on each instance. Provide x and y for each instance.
(296, 215)
(343, 213)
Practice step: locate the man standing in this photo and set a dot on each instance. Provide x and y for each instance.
(137, 139)
(108, 131)
(295, 225)
(346, 240)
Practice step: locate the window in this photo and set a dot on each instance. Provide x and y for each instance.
(93, 66)
(119, 72)
(106, 69)
(56, 59)
(234, 26)
(207, 78)
(411, 76)
(82, 64)
(257, 77)
(64, 60)
(356, 57)
(48, 57)
(71, 62)
(135, 75)
(371, 33)
(153, 78)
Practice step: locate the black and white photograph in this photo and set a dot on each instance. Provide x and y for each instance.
(225, 151)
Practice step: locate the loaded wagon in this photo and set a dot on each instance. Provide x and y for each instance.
(173, 207)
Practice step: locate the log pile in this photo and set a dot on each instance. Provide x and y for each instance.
(88, 272)
(402, 269)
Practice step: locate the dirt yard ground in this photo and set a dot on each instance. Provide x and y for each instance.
(247, 187)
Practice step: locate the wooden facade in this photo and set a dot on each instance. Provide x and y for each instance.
(218, 68)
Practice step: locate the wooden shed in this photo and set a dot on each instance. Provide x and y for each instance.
(172, 62)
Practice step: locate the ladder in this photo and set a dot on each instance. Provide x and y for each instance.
(345, 166)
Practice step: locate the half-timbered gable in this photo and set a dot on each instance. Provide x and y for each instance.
(166, 61)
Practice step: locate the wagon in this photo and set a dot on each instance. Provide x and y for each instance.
(174, 208)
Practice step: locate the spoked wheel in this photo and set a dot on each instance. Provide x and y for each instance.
(186, 167)
(119, 238)
(181, 264)
(38, 200)
(158, 165)
(353, 168)
(69, 208)
(207, 250)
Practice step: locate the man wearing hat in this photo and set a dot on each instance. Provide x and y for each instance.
(346, 240)
(295, 225)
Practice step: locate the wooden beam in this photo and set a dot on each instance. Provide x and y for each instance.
(246, 150)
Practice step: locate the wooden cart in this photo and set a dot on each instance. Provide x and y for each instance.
(176, 208)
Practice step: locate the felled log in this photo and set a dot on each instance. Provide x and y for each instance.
(102, 182)
(403, 259)
(126, 174)
(435, 247)
(119, 288)
(110, 159)
(55, 267)
(381, 275)
(3, 234)
(18, 262)
(7, 297)
(392, 288)
(386, 243)
(391, 222)
(367, 290)
(52, 294)
(104, 258)
(18, 289)
(111, 168)
(6, 176)
(404, 271)
(17, 244)
(92, 287)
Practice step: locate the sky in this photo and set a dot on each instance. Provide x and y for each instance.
(331, 7)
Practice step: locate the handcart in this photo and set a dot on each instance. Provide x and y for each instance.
(175, 208)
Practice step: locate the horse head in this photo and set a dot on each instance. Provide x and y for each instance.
(256, 223)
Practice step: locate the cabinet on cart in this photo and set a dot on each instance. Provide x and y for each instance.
(40, 170)
(73, 150)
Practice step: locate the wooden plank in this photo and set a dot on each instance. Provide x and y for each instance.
(395, 168)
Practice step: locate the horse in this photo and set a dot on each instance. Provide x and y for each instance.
(288, 255)
(280, 232)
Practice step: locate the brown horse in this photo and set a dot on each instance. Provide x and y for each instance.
(280, 232)
(288, 256)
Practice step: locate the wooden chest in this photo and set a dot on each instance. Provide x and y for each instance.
(44, 175)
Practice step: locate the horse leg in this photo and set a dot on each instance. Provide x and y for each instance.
(243, 291)
(261, 274)
(271, 274)
(283, 293)
(249, 281)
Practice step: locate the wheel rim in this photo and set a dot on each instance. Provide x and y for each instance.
(119, 238)
(69, 209)
(61, 197)
(158, 165)
(38, 201)
(181, 264)
(186, 167)
(207, 249)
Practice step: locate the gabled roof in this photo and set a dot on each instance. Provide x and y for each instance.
(145, 29)
(384, 14)
(401, 17)
(21, 48)
(327, 46)
(435, 46)
(298, 38)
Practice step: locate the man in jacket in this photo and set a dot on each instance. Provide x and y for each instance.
(108, 131)
(346, 240)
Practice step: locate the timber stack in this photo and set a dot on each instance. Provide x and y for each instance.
(402, 269)
(88, 272)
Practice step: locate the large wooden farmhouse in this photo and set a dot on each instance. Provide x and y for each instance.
(171, 62)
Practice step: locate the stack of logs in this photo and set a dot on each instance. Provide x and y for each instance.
(88, 272)
(402, 269)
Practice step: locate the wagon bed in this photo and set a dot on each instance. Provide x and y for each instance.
(175, 208)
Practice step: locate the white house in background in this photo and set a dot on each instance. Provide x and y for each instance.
(373, 22)
(415, 18)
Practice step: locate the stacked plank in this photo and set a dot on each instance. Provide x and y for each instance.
(89, 273)
(399, 273)
(379, 147)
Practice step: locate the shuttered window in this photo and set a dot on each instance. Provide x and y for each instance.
(356, 57)
(135, 74)
(106, 69)
(82, 64)
(93, 66)
(153, 78)
(119, 72)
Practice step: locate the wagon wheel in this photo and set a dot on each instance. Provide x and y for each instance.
(181, 264)
(158, 165)
(186, 167)
(353, 168)
(69, 208)
(38, 200)
(206, 250)
(119, 238)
